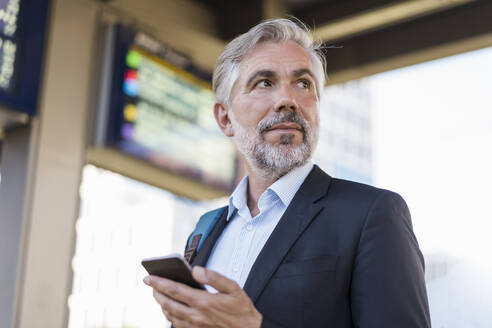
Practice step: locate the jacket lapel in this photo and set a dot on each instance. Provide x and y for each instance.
(202, 256)
(297, 217)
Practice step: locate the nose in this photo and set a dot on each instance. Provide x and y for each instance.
(286, 100)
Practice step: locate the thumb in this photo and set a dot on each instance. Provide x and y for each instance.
(214, 279)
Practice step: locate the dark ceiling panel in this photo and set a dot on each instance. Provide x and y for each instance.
(329, 11)
(411, 36)
(457, 24)
(235, 17)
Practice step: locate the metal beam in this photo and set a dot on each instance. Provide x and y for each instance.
(18, 152)
(9, 119)
(376, 18)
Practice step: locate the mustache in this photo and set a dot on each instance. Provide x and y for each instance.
(283, 117)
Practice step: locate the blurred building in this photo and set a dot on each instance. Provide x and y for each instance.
(121, 222)
(345, 142)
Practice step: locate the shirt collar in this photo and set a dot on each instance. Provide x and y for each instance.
(288, 185)
(285, 188)
(238, 197)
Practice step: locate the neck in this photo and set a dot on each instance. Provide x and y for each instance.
(258, 182)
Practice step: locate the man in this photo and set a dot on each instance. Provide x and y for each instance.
(295, 247)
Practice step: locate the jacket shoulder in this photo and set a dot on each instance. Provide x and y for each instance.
(360, 190)
(356, 200)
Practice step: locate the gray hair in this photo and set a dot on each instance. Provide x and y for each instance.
(278, 30)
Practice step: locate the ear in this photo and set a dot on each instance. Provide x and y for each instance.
(221, 112)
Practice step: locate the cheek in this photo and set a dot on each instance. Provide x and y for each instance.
(308, 98)
(255, 109)
(309, 107)
(261, 101)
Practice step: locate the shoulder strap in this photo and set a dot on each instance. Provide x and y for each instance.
(204, 227)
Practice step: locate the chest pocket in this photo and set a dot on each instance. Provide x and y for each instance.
(303, 267)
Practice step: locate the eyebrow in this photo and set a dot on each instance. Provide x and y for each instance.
(271, 74)
(261, 73)
(302, 71)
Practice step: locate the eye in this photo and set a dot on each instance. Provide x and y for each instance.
(304, 84)
(264, 83)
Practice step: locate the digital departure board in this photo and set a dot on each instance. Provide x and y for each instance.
(161, 111)
(22, 29)
(9, 12)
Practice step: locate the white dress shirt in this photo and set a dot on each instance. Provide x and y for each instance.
(244, 236)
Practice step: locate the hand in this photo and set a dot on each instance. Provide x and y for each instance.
(190, 307)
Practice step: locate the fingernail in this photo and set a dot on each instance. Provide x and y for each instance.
(146, 280)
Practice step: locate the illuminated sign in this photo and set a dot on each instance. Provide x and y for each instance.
(162, 111)
(22, 26)
(9, 11)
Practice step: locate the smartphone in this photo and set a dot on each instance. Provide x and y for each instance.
(173, 267)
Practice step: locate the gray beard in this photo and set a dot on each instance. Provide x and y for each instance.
(274, 161)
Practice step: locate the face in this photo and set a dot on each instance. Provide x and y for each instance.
(273, 113)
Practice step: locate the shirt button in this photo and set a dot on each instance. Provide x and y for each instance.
(235, 268)
(249, 227)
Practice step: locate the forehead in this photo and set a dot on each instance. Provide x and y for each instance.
(279, 57)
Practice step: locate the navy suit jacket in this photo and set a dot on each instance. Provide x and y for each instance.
(342, 255)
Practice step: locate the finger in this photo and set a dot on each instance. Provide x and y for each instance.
(215, 279)
(172, 308)
(175, 290)
(166, 314)
(178, 323)
(193, 319)
(169, 317)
